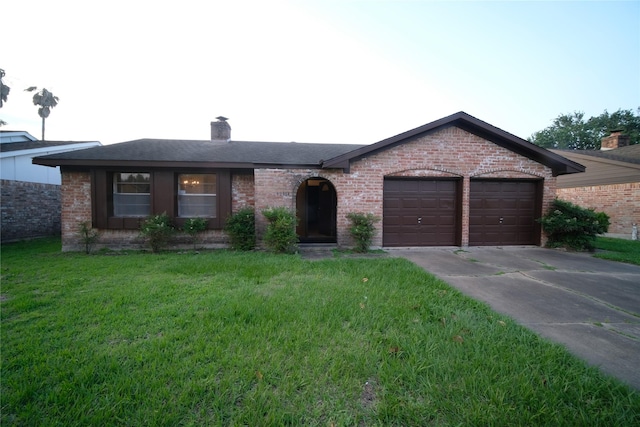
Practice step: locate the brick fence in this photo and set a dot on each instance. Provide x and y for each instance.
(29, 210)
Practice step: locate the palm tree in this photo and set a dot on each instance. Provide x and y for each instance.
(46, 100)
(4, 92)
(4, 89)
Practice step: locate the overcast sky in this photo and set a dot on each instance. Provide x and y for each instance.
(312, 71)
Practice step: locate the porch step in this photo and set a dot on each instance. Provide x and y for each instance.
(316, 250)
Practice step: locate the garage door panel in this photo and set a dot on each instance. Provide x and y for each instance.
(428, 209)
(503, 212)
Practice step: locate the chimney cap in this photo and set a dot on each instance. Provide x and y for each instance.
(222, 118)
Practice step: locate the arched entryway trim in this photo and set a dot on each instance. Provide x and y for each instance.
(316, 203)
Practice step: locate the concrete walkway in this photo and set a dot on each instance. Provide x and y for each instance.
(589, 305)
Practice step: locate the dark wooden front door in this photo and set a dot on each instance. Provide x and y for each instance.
(316, 210)
(504, 212)
(421, 212)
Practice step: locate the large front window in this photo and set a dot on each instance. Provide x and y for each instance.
(131, 194)
(197, 195)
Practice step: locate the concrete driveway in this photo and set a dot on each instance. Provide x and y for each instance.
(589, 305)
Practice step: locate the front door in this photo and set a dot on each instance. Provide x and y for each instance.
(316, 210)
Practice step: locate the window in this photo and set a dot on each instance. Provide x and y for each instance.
(131, 194)
(197, 195)
(120, 200)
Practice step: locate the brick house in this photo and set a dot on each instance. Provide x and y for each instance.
(457, 181)
(611, 182)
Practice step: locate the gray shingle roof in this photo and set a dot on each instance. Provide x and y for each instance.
(191, 151)
(32, 145)
(630, 154)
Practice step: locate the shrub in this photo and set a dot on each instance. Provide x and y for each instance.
(362, 229)
(194, 227)
(280, 235)
(574, 227)
(157, 230)
(88, 235)
(241, 228)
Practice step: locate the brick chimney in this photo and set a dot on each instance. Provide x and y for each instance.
(220, 130)
(615, 140)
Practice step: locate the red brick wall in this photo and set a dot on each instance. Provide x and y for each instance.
(242, 191)
(450, 152)
(76, 207)
(620, 201)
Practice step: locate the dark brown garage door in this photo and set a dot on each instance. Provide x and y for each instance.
(421, 212)
(503, 212)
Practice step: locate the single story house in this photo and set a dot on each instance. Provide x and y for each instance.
(610, 184)
(457, 181)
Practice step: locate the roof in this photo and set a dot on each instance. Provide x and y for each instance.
(251, 154)
(36, 145)
(9, 136)
(197, 153)
(603, 167)
(558, 164)
(629, 154)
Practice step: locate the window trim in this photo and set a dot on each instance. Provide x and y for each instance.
(164, 197)
(180, 195)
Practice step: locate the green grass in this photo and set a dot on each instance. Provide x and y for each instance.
(224, 338)
(620, 250)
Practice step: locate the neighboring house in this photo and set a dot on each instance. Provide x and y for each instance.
(30, 193)
(611, 182)
(456, 181)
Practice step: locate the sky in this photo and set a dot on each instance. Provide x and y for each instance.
(350, 71)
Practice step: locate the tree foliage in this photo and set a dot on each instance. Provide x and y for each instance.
(574, 132)
(4, 89)
(4, 93)
(46, 100)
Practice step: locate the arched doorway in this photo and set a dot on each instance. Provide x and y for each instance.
(316, 203)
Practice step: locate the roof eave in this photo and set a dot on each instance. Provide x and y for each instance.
(76, 163)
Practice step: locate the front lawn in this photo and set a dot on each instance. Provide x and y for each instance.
(224, 338)
(618, 250)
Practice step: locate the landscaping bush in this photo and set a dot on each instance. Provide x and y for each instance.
(571, 226)
(280, 236)
(362, 229)
(194, 227)
(157, 231)
(241, 229)
(88, 235)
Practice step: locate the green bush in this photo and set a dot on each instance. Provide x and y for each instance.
(280, 236)
(88, 235)
(362, 229)
(194, 227)
(571, 226)
(241, 229)
(157, 231)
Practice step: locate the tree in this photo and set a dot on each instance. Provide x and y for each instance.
(46, 100)
(573, 132)
(4, 89)
(4, 93)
